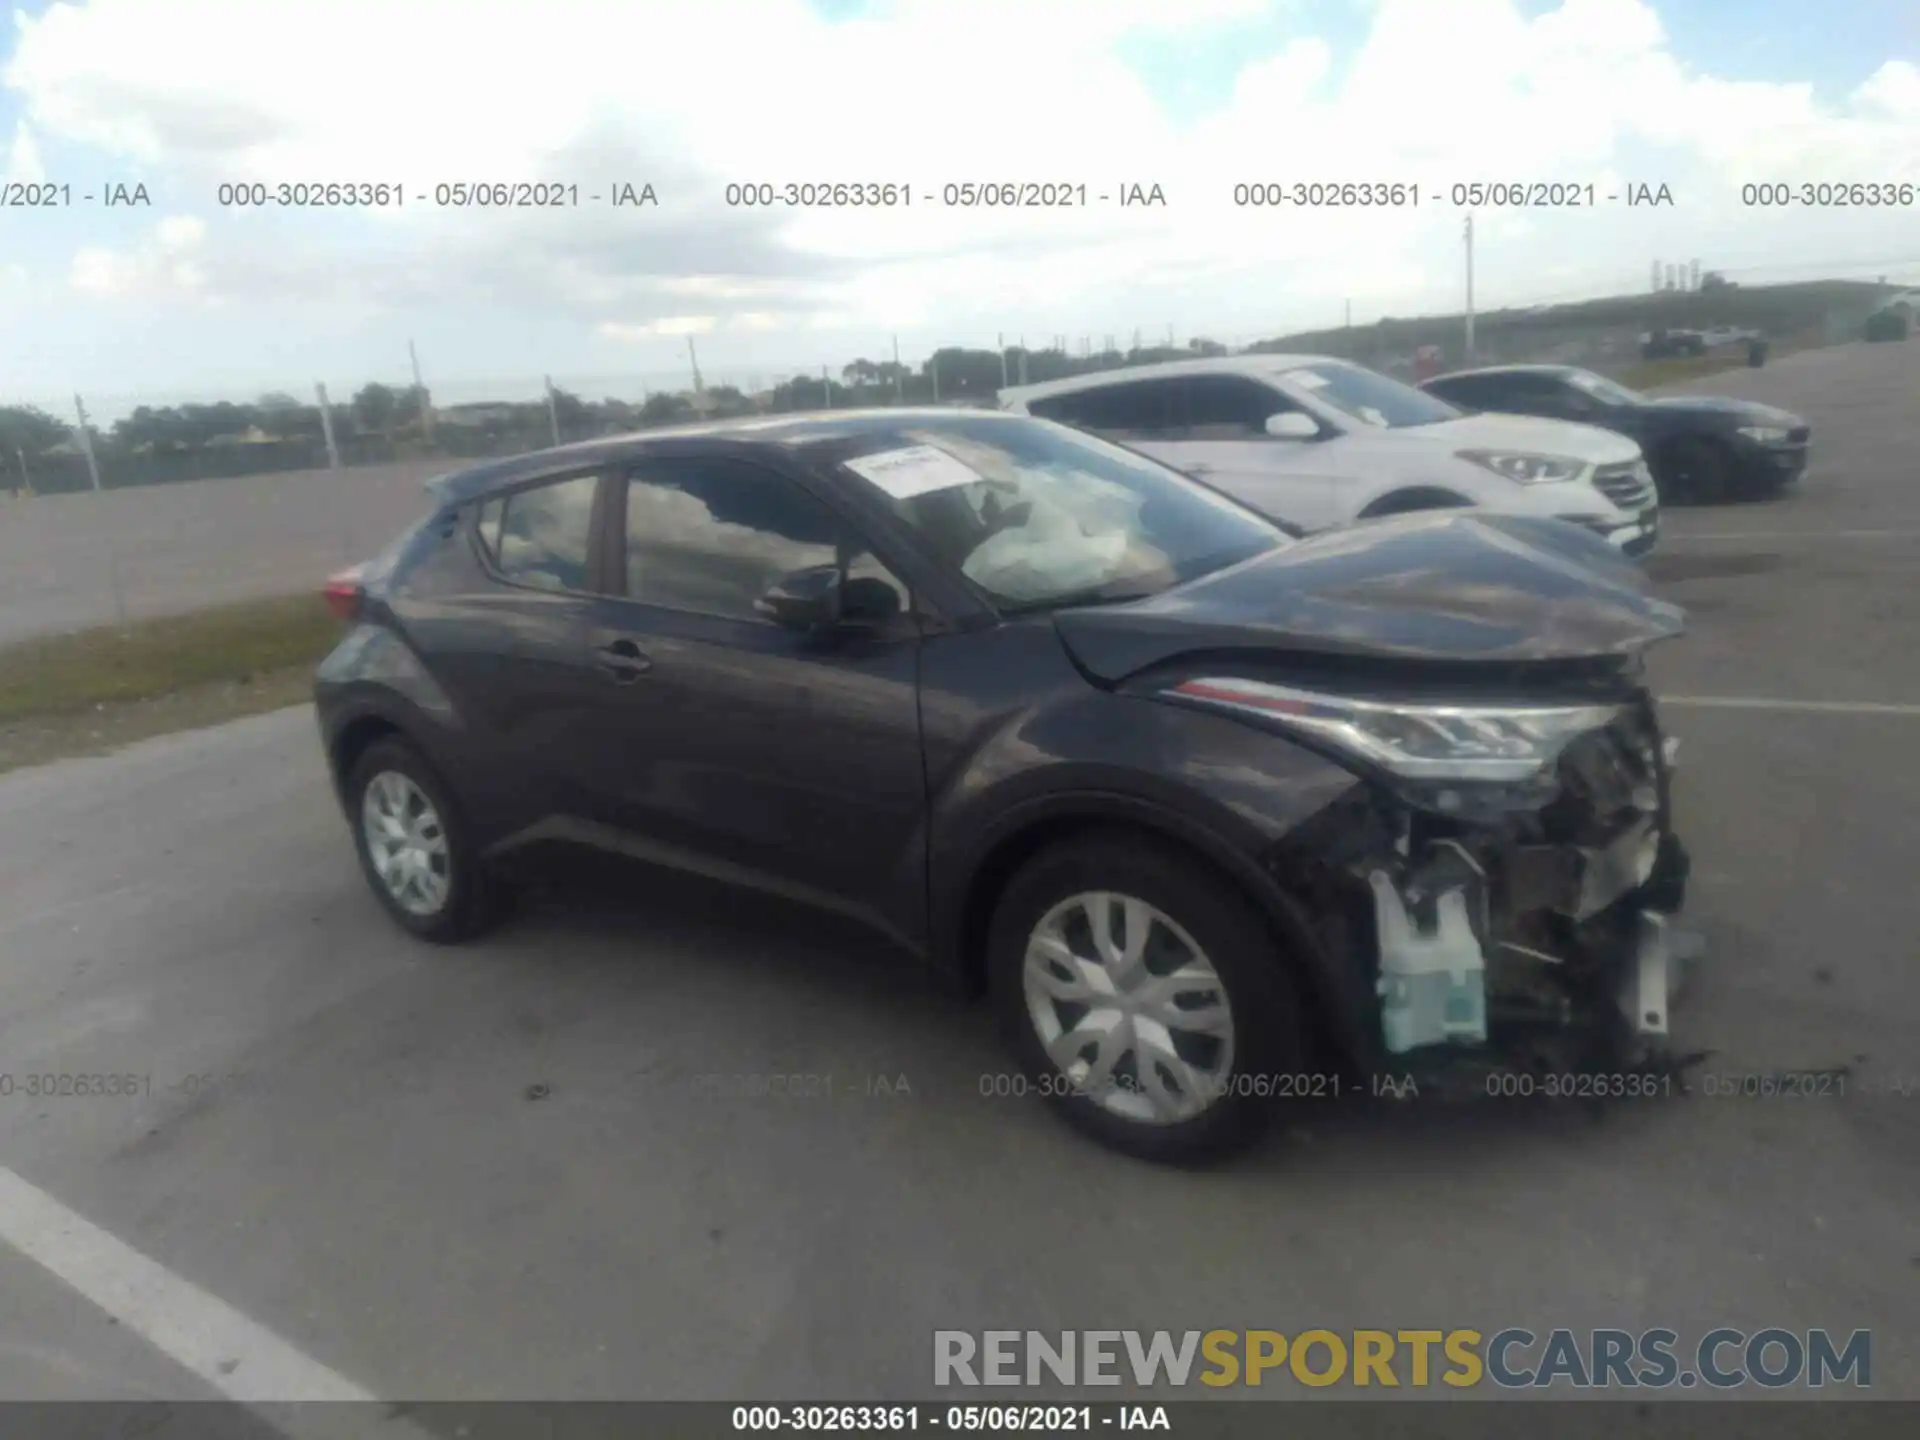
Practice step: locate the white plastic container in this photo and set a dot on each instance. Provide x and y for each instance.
(1433, 988)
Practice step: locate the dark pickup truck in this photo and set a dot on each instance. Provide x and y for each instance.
(1703, 449)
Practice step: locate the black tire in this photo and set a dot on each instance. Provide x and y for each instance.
(1699, 472)
(471, 902)
(1266, 1017)
(1412, 502)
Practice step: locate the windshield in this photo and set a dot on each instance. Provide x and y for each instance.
(1368, 396)
(1603, 389)
(1036, 515)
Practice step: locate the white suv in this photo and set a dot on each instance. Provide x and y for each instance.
(1316, 442)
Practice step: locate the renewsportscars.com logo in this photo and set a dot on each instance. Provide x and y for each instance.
(1511, 1359)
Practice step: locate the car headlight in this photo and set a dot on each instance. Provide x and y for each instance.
(1765, 434)
(1524, 468)
(1413, 740)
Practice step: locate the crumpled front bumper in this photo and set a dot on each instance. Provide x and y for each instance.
(1531, 939)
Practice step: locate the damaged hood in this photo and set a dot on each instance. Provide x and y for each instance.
(1436, 586)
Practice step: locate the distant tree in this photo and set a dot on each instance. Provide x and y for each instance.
(571, 412)
(30, 429)
(665, 408)
(410, 404)
(809, 392)
(726, 401)
(1714, 280)
(1201, 346)
(285, 418)
(964, 374)
(376, 408)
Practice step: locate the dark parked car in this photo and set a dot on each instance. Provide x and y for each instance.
(1670, 344)
(1703, 448)
(1218, 817)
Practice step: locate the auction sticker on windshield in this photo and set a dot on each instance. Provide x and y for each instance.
(913, 471)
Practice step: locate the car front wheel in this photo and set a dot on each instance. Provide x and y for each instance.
(413, 848)
(1700, 472)
(1144, 997)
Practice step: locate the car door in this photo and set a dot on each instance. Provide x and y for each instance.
(731, 745)
(1223, 419)
(505, 630)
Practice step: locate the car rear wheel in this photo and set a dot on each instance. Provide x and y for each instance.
(1144, 997)
(413, 848)
(1700, 472)
(1410, 502)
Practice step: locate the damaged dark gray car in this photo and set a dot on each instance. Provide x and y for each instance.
(1223, 821)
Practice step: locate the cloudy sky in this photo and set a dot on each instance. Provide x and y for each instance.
(188, 299)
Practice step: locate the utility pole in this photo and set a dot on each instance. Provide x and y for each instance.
(693, 357)
(1469, 234)
(86, 441)
(326, 426)
(1001, 341)
(93, 469)
(26, 480)
(899, 375)
(420, 389)
(553, 412)
(933, 369)
(1023, 359)
(826, 388)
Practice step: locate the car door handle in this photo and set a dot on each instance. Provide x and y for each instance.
(623, 661)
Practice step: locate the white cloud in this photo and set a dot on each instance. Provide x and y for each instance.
(166, 264)
(924, 92)
(23, 165)
(652, 329)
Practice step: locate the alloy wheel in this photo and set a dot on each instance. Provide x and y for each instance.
(1129, 1008)
(406, 843)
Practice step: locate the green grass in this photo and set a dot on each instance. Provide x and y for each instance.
(61, 675)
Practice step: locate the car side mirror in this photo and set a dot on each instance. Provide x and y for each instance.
(807, 601)
(1292, 425)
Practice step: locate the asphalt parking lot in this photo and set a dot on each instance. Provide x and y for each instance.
(358, 1165)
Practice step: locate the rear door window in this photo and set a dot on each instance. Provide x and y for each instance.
(542, 536)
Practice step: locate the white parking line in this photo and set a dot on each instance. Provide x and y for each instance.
(1747, 535)
(1812, 707)
(238, 1357)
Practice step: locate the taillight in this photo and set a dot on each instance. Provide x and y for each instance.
(343, 594)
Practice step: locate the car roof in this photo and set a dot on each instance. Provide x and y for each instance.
(1502, 370)
(1167, 370)
(797, 431)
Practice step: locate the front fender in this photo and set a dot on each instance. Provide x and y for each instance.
(1229, 792)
